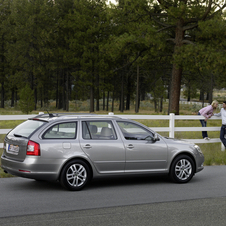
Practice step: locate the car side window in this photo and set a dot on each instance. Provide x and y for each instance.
(61, 131)
(98, 130)
(132, 131)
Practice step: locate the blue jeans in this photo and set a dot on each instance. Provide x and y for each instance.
(203, 123)
(222, 133)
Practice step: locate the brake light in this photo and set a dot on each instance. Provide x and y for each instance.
(33, 148)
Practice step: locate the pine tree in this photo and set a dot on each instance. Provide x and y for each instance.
(26, 102)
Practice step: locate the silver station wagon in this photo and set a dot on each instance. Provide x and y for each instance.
(75, 148)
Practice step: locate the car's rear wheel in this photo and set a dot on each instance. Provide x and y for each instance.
(182, 169)
(75, 175)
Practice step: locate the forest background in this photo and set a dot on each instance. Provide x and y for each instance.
(78, 50)
(88, 55)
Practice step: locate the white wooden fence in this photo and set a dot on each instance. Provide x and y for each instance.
(171, 129)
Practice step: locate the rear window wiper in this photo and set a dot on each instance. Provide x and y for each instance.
(18, 135)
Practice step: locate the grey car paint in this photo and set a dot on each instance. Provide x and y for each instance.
(100, 157)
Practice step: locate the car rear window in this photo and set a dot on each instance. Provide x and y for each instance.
(26, 128)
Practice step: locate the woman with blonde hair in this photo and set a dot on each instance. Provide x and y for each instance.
(207, 112)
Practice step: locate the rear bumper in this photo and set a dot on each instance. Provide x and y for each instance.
(30, 169)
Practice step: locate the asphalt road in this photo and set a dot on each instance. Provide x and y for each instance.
(139, 200)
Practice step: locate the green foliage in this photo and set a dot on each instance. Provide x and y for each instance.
(26, 103)
(78, 49)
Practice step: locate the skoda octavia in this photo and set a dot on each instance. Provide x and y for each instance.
(76, 148)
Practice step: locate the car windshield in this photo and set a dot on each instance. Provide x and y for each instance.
(26, 128)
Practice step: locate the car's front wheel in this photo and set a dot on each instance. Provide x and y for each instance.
(182, 169)
(75, 175)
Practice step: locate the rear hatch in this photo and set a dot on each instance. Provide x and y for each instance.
(15, 143)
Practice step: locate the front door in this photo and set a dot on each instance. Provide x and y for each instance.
(142, 152)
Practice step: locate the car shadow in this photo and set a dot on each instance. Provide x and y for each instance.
(134, 180)
(112, 181)
(37, 185)
(103, 182)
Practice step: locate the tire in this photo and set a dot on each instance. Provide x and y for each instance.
(182, 169)
(75, 175)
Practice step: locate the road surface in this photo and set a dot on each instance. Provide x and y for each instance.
(137, 200)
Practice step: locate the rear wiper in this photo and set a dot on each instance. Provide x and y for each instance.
(18, 135)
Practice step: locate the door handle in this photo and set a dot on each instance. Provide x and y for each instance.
(87, 146)
(130, 146)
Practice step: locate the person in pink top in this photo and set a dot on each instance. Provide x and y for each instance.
(207, 112)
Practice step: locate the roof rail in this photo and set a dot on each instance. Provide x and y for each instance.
(42, 114)
(51, 115)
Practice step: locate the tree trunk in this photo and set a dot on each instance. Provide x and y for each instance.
(211, 90)
(67, 92)
(128, 94)
(12, 98)
(201, 95)
(175, 90)
(108, 100)
(41, 98)
(189, 92)
(57, 92)
(92, 93)
(97, 94)
(60, 90)
(103, 100)
(36, 97)
(137, 90)
(92, 89)
(122, 95)
(2, 96)
(176, 72)
(128, 101)
(113, 99)
(16, 97)
(64, 91)
(161, 104)
(155, 104)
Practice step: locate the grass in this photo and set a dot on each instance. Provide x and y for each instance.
(2, 174)
(212, 151)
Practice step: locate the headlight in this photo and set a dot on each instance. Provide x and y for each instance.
(198, 149)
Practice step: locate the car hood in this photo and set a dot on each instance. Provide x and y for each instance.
(178, 141)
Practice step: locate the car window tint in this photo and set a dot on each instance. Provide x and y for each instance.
(26, 128)
(62, 131)
(98, 130)
(133, 131)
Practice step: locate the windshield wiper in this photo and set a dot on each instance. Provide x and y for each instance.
(18, 135)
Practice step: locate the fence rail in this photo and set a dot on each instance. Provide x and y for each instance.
(171, 129)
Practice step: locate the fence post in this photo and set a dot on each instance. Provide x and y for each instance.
(222, 147)
(171, 125)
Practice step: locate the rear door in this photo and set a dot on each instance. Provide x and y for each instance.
(103, 146)
(59, 142)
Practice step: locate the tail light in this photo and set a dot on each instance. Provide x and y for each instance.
(33, 148)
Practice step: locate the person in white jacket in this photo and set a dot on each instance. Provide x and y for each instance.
(222, 113)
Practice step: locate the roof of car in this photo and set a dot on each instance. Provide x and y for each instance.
(55, 116)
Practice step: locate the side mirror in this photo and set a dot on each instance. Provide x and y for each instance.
(153, 139)
(156, 137)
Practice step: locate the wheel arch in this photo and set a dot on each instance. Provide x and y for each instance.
(184, 153)
(77, 158)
